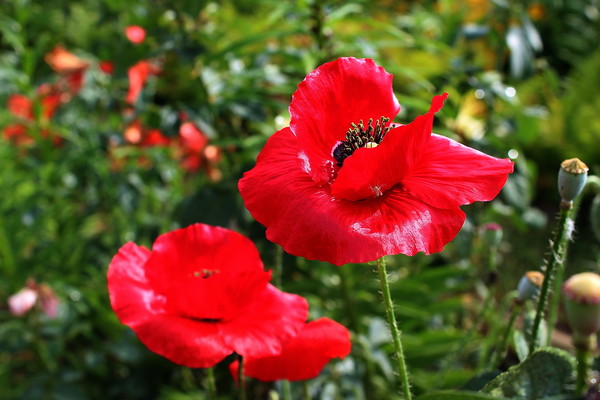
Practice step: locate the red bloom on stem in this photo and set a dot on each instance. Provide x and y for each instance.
(343, 184)
(304, 356)
(201, 294)
(135, 34)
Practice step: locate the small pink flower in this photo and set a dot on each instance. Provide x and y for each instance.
(22, 301)
(135, 34)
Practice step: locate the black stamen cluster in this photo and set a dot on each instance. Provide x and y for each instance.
(357, 136)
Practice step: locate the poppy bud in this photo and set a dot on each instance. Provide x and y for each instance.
(492, 234)
(529, 285)
(582, 300)
(571, 179)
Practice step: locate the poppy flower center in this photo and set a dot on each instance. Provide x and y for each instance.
(360, 136)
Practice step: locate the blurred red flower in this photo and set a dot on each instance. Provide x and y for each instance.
(138, 75)
(70, 67)
(304, 356)
(135, 34)
(193, 142)
(108, 67)
(23, 108)
(343, 184)
(64, 62)
(201, 294)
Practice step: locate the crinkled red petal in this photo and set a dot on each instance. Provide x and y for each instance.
(266, 323)
(329, 99)
(450, 174)
(308, 221)
(305, 356)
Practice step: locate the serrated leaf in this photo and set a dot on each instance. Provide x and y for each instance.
(545, 373)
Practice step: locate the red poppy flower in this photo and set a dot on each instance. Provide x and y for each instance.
(135, 34)
(200, 295)
(304, 356)
(344, 184)
(138, 75)
(23, 108)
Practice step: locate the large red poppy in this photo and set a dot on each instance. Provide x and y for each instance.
(304, 356)
(201, 294)
(344, 184)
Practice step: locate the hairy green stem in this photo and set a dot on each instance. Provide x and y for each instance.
(592, 185)
(396, 334)
(557, 256)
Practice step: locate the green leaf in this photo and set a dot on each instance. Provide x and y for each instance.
(458, 395)
(545, 373)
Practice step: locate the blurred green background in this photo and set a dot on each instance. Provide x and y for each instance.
(523, 83)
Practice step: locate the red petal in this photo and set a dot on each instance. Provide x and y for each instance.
(369, 172)
(308, 221)
(191, 343)
(265, 323)
(303, 357)
(138, 74)
(450, 175)
(131, 296)
(192, 138)
(20, 106)
(329, 99)
(206, 272)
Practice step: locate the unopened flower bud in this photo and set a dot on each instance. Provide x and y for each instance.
(571, 179)
(582, 301)
(491, 234)
(529, 285)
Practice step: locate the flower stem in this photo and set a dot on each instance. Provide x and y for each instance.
(501, 350)
(584, 363)
(396, 334)
(305, 391)
(592, 185)
(286, 390)
(557, 256)
(241, 380)
(210, 384)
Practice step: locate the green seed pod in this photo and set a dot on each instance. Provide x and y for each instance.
(529, 285)
(582, 301)
(571, 179)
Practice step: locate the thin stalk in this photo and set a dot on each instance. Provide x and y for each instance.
(241, 380)
(286, 390)
(278, 267)
(210, 384)
(501, 349)
(557, 256)
(396, 334)
(584, 363)
(305, 391)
